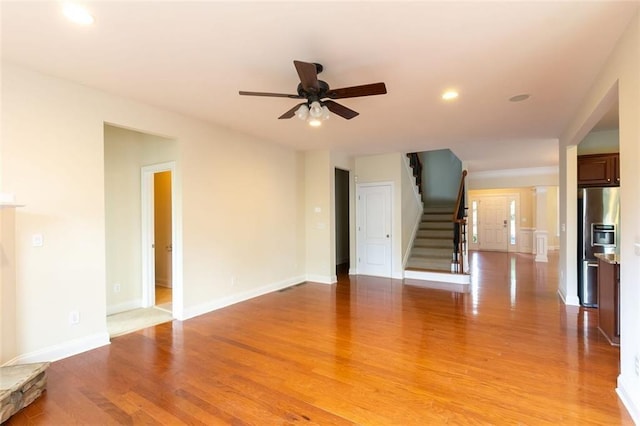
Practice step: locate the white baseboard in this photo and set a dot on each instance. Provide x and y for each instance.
(212, 305)
(322, 279)
(124, 306)
(443, 277)
(630, 398)
(571, 301)
(63, 350)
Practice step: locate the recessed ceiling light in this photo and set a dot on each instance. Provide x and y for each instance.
(77, 14)
(519, 98)
(449, 95)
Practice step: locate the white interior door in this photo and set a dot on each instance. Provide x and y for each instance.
(494, 224)
(374, 230)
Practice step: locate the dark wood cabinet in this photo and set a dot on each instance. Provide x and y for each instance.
(609, 300)
(599, 170)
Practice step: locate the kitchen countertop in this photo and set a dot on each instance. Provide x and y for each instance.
(611, 258)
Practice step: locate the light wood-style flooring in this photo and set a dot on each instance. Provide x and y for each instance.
(366, 351)
(163, 295)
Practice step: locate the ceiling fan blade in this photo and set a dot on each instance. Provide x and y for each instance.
(291, 112)
(308, 74)
(273, 95)
(340, 110)
(357, 91)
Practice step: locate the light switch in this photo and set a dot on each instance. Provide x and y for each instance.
(37, 240)
(317, 210)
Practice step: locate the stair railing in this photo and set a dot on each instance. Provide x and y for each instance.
(416, 165)
(460, 227)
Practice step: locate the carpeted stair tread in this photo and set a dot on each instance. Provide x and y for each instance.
(433, 245)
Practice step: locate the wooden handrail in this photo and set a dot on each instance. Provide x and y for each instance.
(459, 224)
(456, 210)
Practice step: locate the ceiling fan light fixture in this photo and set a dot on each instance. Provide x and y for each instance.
(325, 112)
(316, 109)
(303, 112)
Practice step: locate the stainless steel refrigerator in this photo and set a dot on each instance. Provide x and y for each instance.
(598, 232)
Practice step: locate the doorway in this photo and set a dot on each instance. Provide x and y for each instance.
(342, 221)
(163, 243)
(158, 230)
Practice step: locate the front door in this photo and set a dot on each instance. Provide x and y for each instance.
(374, 230)
(494, 229)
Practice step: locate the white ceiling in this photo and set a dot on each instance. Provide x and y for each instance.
(193, 57)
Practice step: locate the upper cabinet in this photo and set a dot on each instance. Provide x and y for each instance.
(599, 170)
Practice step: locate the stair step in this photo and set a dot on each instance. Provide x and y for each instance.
(435, 233)
(436, 225)
(441, 217)
(432, 251)
(20, 385)
(434, 242)
(439, 209)
(435, 264)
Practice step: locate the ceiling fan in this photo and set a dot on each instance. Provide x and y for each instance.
(314, 91)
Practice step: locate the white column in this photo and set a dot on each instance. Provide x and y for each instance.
(541, 233)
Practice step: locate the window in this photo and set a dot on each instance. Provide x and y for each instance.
(512, 222)
(474, 222)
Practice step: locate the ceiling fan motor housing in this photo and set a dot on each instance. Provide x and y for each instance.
(323, 88)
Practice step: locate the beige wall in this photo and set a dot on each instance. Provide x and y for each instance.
(519, 178)
(344, 161)
(600, 142)
(240, 202)
(619, 79)
(320, 248)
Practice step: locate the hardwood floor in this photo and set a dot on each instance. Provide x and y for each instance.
(163, 295)
(365, 351)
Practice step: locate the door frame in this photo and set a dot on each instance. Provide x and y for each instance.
(359, 247)
(147, 238)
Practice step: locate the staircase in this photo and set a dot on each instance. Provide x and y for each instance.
(433, 246)
(429, 264)
(437, 257)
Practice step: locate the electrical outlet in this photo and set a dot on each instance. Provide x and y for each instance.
(116, 288)
(74, 317)
(233, 281)
(637, 365)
